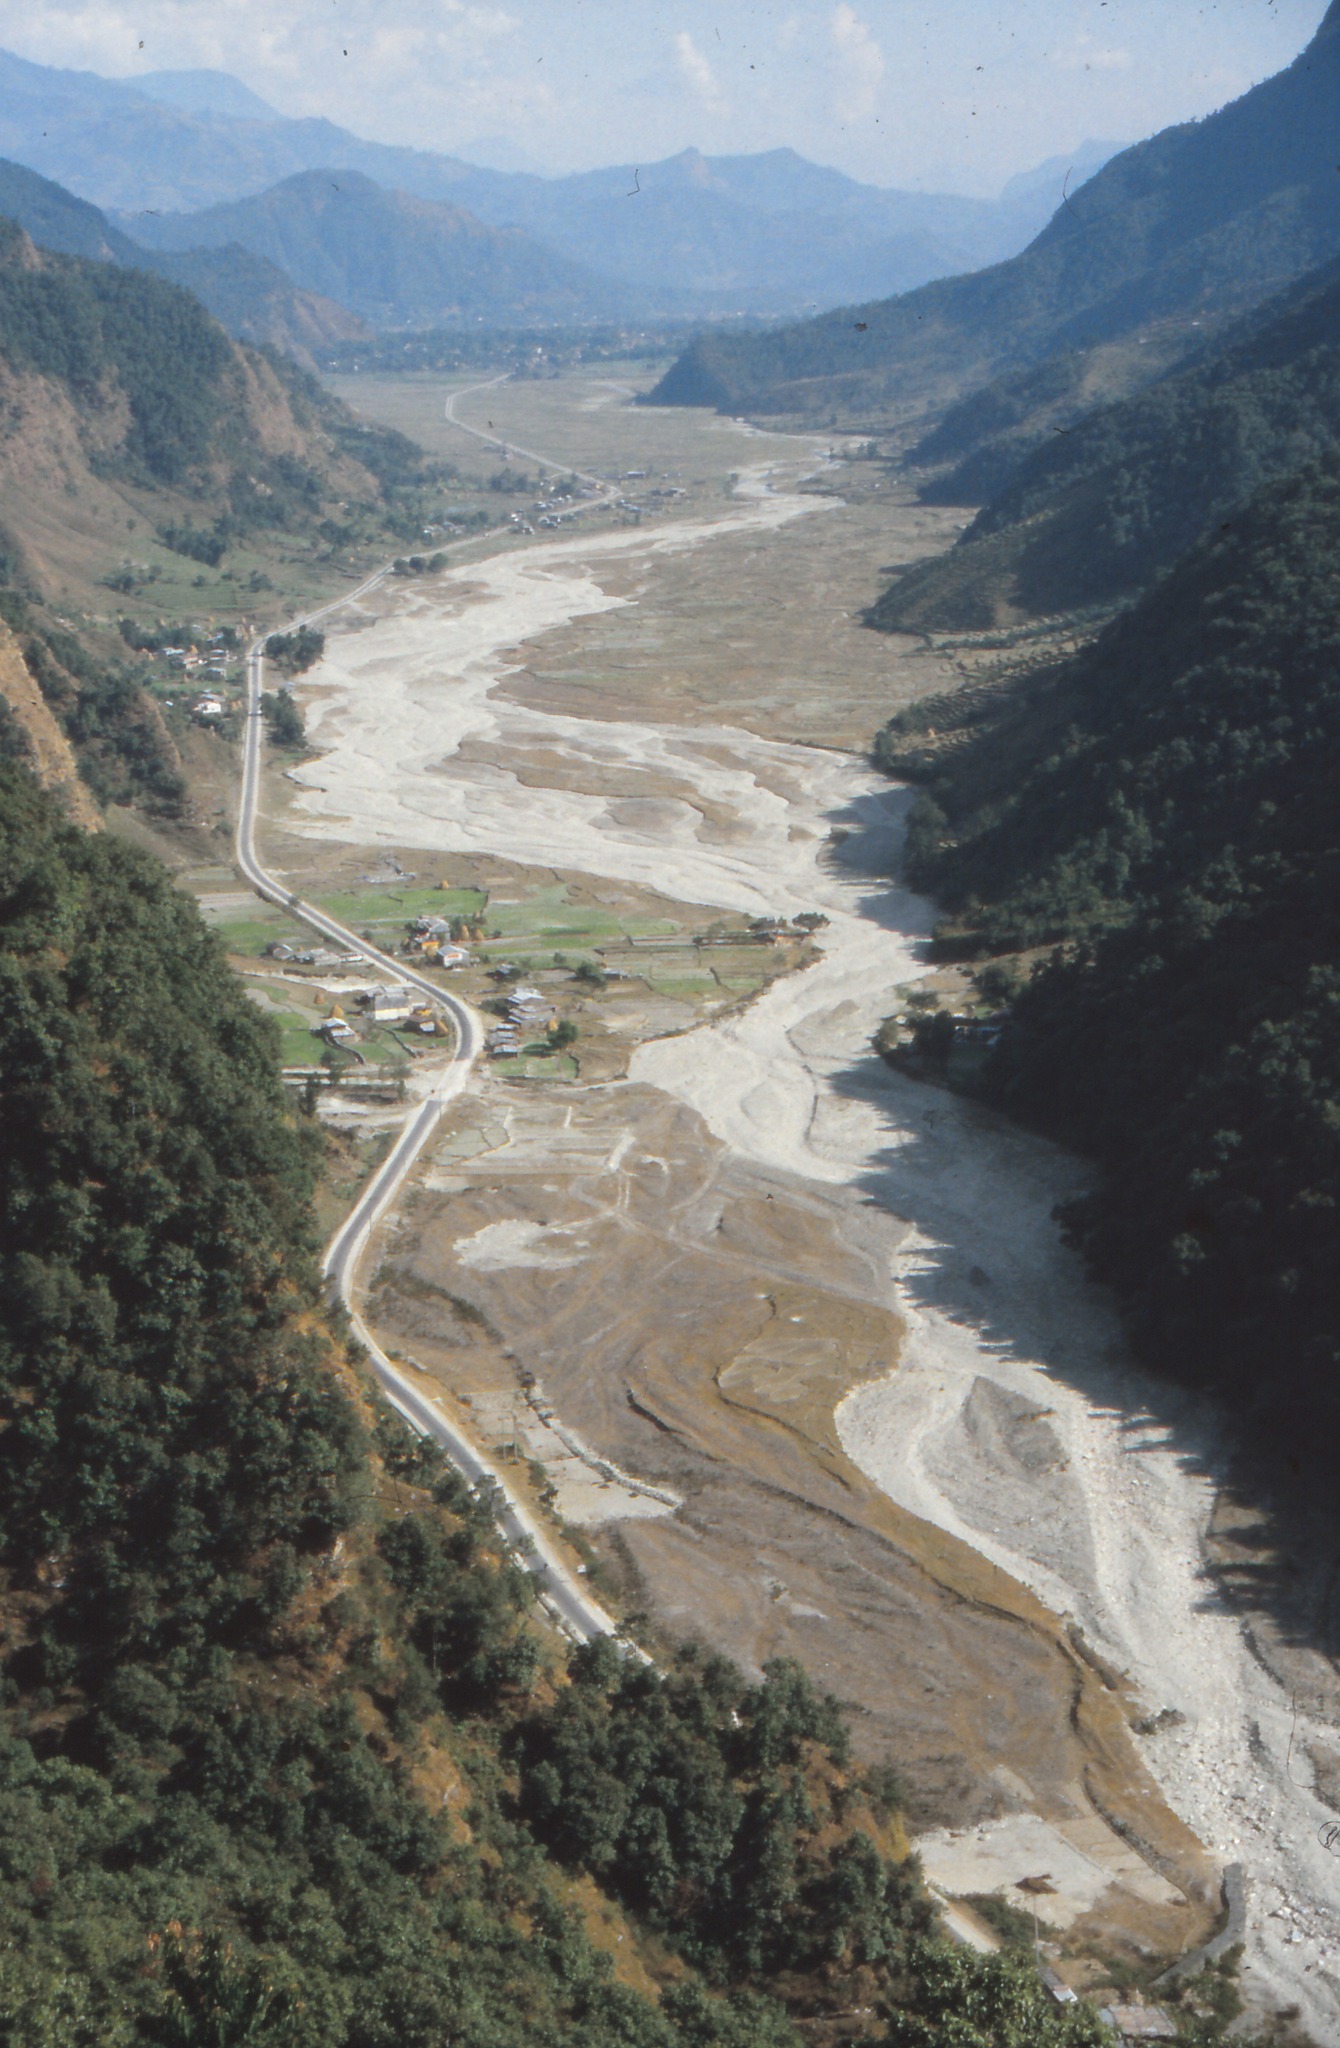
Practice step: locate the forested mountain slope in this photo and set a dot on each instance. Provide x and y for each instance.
(283, 1761)
(250, 297)
(1162, 808)
(160, 392)
(134, 426)
(1196, 224)
(1094, 511)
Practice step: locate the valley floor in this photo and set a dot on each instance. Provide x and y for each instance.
(856, 1402)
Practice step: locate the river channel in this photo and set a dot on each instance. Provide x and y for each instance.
(1010, 1418)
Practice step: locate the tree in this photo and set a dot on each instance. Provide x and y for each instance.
(285, 719)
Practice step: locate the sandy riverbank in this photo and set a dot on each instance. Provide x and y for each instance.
(1011, 1422)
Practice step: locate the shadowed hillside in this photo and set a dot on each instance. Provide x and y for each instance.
(1089, 514)
(1161, 809)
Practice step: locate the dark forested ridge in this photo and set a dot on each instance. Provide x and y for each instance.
(1161, 809)
(1200, 222)
(1087, 514)
(283, 1762)
(248, 296)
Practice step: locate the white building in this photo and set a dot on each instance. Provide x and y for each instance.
(387, 1003)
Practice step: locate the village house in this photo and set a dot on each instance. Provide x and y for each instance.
(528, 1010)
(386, 1003)
(1059, 1989)
(335, 1030)
(321, 956)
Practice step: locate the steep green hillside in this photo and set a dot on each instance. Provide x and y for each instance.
(123, 750)
(152, 466)
(1196, 224)
(55, 219)
(1162, 808)
(1098, 509)
(252, 299)
(280, 1748)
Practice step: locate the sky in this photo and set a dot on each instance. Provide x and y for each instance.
(951, 95)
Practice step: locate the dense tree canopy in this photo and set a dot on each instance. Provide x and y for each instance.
(1090, 512)
(1162, 809)
(283, 1761)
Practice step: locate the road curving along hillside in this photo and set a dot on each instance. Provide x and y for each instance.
(561, 1593)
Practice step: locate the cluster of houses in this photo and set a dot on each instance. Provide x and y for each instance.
(316, 956)
(202, 665)
(387, 1003)
(207, 663)
(546, 511)
(430, 940)
(384, 1003)
(528, 1015)
(392, 1003)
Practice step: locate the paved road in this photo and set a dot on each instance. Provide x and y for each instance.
(608, 492)
(560, 1589)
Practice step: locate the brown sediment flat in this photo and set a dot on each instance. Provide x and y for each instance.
(700, 1323)
(798, 665)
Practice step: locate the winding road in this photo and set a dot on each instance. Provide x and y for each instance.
(608, 492)
(560, 1590)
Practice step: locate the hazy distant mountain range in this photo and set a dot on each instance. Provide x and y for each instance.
(1170, 238)
(396, 260)
(172, 154)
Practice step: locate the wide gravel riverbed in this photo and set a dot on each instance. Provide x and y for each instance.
(1012, 1420)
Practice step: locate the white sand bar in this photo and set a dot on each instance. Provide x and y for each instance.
(1011, 1420)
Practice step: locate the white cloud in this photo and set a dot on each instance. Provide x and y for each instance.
(859, 64)
(697, 73)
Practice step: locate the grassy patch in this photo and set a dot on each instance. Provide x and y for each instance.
(249, 936)
(300, 1048)
(393, 905)
(554, 1066)
(681, 983)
